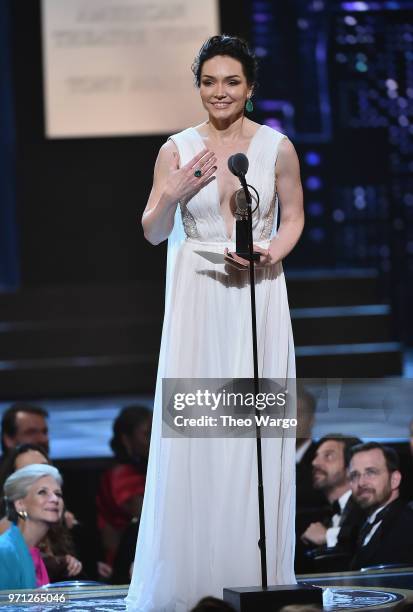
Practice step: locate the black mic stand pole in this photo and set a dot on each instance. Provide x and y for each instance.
(261, 542)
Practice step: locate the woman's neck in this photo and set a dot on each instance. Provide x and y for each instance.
(32, 532)
(226, 131)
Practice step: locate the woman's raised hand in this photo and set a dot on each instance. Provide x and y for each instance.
(73, 566)
(183, 183)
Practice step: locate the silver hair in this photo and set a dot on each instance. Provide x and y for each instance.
(18, 484)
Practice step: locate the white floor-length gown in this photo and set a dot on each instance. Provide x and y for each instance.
(199, 527)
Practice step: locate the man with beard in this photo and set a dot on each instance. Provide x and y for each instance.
(336, 529)
(309, 501)
(24, 424)
(387, 535)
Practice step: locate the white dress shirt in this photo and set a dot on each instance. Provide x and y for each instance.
(373, 530)
(333, 531)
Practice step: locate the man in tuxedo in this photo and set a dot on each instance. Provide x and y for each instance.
(310, 503)
(308, 499)
(24, 424)
(335, 528)
(387, 535)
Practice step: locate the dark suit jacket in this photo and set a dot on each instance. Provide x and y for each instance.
(392, 542)
(352, 518)
(310, 505)
(338, 557)
(307, 497)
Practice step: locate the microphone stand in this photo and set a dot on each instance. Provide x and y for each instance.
(261, 542)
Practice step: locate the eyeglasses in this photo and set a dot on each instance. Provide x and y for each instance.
(368, 474)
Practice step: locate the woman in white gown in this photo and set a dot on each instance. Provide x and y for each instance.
(199, 526)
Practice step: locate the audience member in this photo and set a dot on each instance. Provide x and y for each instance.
(57, 547)
(120, 496)
(26, 454)
(24, 424)
(310, 503)
(308, 499)
(212, 604)
(335, 530)
(411, 438)
(301, 608)
(387, 535)
(34, 503)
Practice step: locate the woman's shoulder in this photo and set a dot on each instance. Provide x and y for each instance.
(4, 525)
(171, 145)
(189, 131)
(270, 132)
(190, 135)
(9, 540)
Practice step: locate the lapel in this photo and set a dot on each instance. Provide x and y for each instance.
(352, 513)
(351, 520)
(369, 550)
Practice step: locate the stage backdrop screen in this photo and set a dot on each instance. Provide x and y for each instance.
(114, 67)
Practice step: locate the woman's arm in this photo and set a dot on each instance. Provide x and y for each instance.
(172, 184)
(290, 194)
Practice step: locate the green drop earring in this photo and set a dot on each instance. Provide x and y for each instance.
(249, 107)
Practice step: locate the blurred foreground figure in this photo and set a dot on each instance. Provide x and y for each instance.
(212, 604)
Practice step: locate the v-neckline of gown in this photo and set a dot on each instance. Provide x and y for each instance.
(215, 183)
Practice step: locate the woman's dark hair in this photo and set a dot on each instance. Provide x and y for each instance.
(8, 466)
(212, 604)
(226, 45)
(127, 420)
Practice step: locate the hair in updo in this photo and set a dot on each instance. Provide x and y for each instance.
(226, 45)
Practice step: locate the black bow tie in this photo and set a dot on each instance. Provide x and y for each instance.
(335, 508)
(368, 526)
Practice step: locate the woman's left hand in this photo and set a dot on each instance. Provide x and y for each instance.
(73, 565)
(265, 256)
(240, 263)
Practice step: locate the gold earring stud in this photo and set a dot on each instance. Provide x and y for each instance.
(23, 514)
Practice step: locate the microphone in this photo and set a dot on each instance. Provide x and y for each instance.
(238, 164)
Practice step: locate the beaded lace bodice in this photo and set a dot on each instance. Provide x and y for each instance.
(201, 216)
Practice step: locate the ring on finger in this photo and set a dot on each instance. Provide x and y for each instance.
(198, 172)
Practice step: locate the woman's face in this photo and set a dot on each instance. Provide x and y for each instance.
(43, 502)
(29, 458)
(224, 88)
